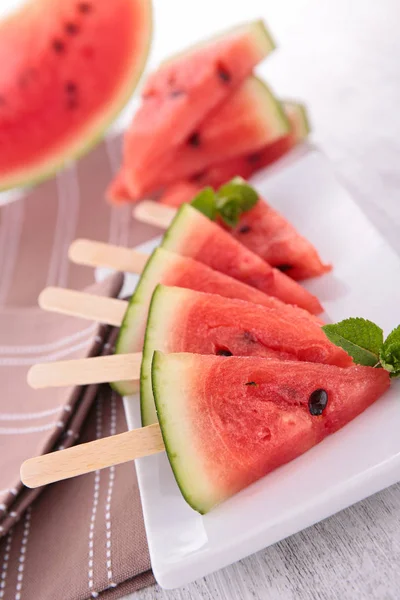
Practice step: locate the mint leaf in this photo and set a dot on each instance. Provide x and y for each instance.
(205, 202)
(360, 338)
(390, 353)
(246, 196)
(229, 209)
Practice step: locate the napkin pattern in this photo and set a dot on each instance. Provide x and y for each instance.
(84, 537)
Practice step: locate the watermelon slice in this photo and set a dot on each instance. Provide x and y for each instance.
(226, 422)
(183, 191)
(247, 121)
(264, 231)
(174, 270)
(67, 68)
(182, 320)
(194, 235)
(183, 91)
(246, 165)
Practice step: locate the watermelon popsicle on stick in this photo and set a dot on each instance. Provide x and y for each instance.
(226, 422)
(260, 228)
(193, 234)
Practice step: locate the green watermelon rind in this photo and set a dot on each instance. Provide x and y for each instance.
(96, 132)
(302, 113)
(130, 337)
(171, 446)
(157, 319)
(272, 103)
(266, 40)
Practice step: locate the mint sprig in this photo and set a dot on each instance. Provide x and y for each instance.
(363, 341)
(229, 202)
(205, 203)
(389, 354)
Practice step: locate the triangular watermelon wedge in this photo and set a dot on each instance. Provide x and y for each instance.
(264, 231)
(247, 121)
(184, 90)
(244, 166)
(175, 270)
(182, 320)
(194, 235)
(226, 422)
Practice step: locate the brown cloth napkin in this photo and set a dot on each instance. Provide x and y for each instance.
(84, 537)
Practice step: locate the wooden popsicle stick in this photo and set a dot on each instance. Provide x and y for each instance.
(154, 213)
(85, 371)
(91, 456)
(98, 254)
(84, 305)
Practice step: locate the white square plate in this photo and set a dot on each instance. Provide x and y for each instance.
(359, 460)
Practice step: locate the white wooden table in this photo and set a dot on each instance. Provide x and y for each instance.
(343, 58)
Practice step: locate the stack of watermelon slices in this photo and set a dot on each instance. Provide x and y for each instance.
(205, 118)
(240, 380)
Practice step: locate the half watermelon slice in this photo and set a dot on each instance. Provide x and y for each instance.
(183, 91)
(194, 235)
(182, 320)
(175, 270)
(67, 68)
(226, 422)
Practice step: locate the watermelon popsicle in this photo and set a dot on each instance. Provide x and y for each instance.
(228, 421)
(194, 235)
(225, 422)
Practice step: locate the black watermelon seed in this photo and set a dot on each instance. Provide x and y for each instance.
(223, 73)
(284, 267)
(71, 87)
(223, 352)
(176, 93)
(58, 46)
(194, 140)
(198, 178)
(252, 383)
(244, 229)
(317, 402)
(71, 28)
(84, 7)
(254, 158)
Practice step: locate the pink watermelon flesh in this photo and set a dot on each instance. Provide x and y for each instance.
(182, 320)
(248, 120)
(183, 191)
(183, 91)
(174, 270)
(226, 422)
(248, 164)
(194, 235)
(268, 234)
(67, 68)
